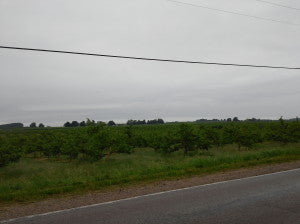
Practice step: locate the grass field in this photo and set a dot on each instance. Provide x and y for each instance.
(33, 179)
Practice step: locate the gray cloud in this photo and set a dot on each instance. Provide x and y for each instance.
(53, 88)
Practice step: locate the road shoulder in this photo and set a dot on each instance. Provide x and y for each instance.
(55, 204)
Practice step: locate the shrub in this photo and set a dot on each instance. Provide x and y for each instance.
(52, 144)
(8, 153)
(284, 132)
(98, 143)
(119, 143)
(122, 147)
(293, 130)
(203, 142)
(73, 145)
(209, 137)
(187, 137)
(166, 144)
(33, 145)
(247, 137)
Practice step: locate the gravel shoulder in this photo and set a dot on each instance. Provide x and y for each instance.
(54, 204)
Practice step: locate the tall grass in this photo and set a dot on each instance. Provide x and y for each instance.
(34, 179)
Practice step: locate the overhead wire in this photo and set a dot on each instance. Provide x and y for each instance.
(150, 59)
(279, 5)
(233, 12)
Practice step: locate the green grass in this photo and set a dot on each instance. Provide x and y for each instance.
(36, 179)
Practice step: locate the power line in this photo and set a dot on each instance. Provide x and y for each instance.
(234, 13)
(279, 5)
(150, 59)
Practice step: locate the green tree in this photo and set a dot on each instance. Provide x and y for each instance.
(111, 123)
(52, 144)
(235, 119)
(8, 153)
(32, 125)
(82, 124)
(73, 145)
(119, 144)
(212, 136)
(187, 137)
(74, 124)
(280, 132)
(247, 137)
(99, 142)
(101, 123)
(90, 122)
(67, 124)
(166, 143)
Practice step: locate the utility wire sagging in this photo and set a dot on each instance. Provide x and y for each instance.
(233, 12)
(150, 59)
(279, 5)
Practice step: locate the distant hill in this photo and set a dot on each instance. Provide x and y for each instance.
(11, 125)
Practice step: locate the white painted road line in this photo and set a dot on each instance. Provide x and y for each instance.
(142, 196)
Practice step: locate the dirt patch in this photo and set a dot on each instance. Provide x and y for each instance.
(19, 210)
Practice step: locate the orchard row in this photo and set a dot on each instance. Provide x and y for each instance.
(96, 142)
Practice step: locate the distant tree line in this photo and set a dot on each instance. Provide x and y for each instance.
(34, 125)
(20, 125)
(235, 119)
(111, 123)
(140, 122)
(88, 122)
(12, 125)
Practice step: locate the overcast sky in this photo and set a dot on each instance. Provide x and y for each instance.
(54, 88)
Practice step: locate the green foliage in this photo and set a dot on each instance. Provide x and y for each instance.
(99, 142)
(73, 145)
(203, 142)
(132, 139)
(119, 143)
(93, 141)
(166, 144)
(51, 144)
(34, 144)
(32, 125)
(33, 179)
(246, 137)
(8, 153)
(111, 123)
(94, 155)
(284, 132)
(90, 122)
(11, 126)
(122, 147)
(209, 137)
(294, 131)
(41, 125)
(187, 137)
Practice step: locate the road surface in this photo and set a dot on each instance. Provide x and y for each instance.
(272, 198)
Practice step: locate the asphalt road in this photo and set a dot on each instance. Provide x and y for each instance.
(272, 198)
